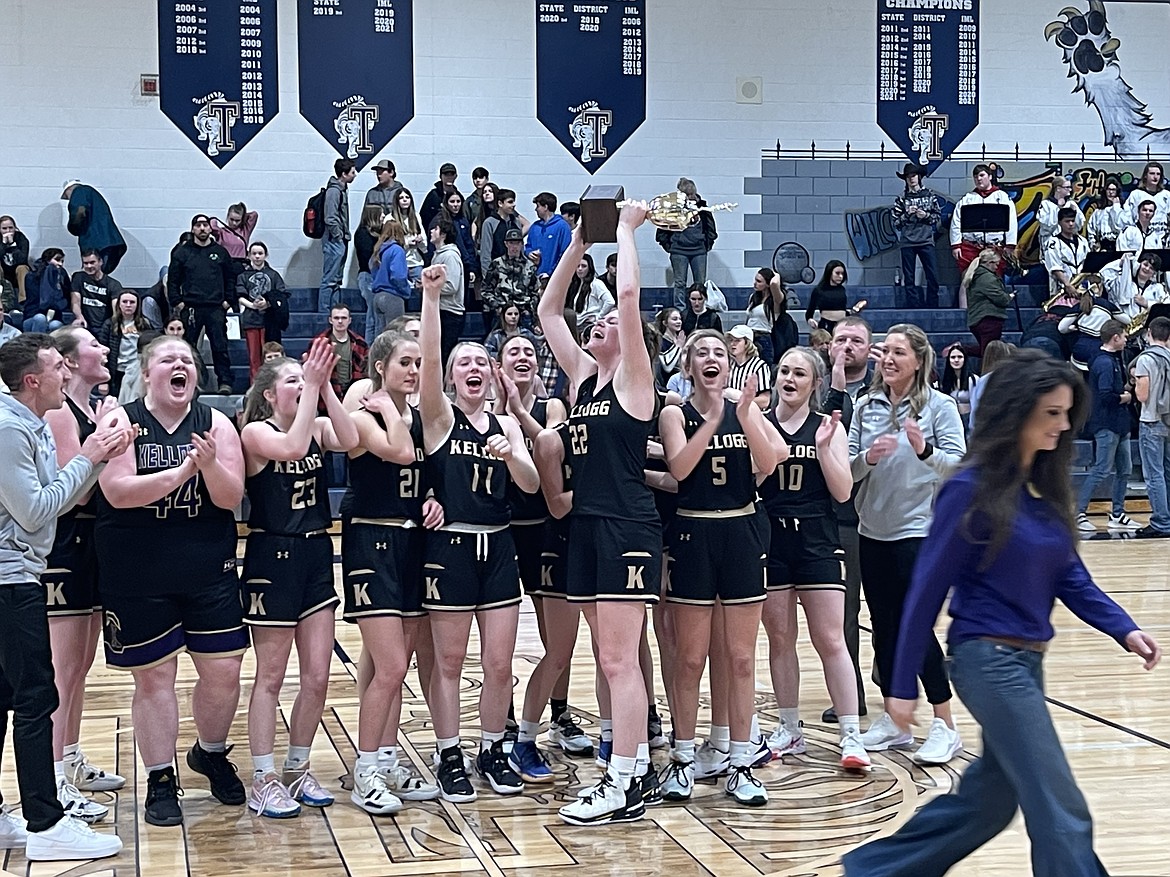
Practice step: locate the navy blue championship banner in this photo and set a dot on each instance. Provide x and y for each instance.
(591, 75)
(217, 71)
(928, 75)
(356, 72)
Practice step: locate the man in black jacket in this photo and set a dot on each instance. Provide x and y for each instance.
(199, 286)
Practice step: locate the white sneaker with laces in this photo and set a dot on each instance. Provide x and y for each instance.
(853, 754)
(401, 781)
(942, 744)
(783, 742)
(70, 840)
(677, 780)
(13, 830)
(88, 778)
(710, 762)
(884, 734)
(77, 805)
(370, 793)
(1122, 522)
(271, 798)
(305, 789)
(1084, 524)
(744, 787)
(606, 802)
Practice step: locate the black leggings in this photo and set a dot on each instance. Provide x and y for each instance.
(886, 568)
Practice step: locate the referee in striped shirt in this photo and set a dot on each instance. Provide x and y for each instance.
(745, 362)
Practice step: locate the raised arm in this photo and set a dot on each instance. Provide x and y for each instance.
(682, 454)
(548, 452)
(578, 365)
(833, 455)
(433, 403)
(634, 371)
(520, 465)
(392, 442)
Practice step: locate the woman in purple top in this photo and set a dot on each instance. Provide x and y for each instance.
(1003, 542)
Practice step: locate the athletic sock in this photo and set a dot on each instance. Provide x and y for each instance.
(59, 771)
(741, 753)
(263, 765)
(606, 729)
(366, 761)
(684, 750)
(297, 758)
(558, 707)
(442, 744)
(388, 756)
(220, 746)
(624, 767)
(848, 724)
(720, 737)
(151, 768)
(488, 739)
(754, 733)
(72, 752)
(790, 718)
(528, 731)
(642, 759)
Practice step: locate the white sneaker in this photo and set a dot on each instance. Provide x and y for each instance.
(370, 793)
(404, 784)
(13, 830)
(711, 762)
(77, 805)
(853, 754)
(677, 780)
(1084, 524)
(88, 778)
(68, 840)
(606, 802)
(1122, 522)
(783, 742)
(271, 798)
(942, 744)
(565, 732)
(884, 734)
(744, 787)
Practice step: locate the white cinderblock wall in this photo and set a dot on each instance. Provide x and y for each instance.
(70, 107)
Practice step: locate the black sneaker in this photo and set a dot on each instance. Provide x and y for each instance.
(162, 798)
(454, 784)
(511, 734)
(493, 766)
(221, 774)
(650, 787)
(1149, 532)
(654, 732)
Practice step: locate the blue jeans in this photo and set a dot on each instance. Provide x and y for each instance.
(332, 266)
(366, 288)
(1110, 457)
(1022, 767)
(1154, 447)
(41, 323)
(678, 267)
(925, 253)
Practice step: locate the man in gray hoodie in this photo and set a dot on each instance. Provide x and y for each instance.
(336, 238)
(33, 492)
(916, 215)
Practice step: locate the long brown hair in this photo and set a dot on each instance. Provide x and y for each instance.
(391, 231)
(256, 407)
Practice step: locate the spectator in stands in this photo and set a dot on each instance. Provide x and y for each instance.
(957, 380)
(1152, 389)
(1105, 222)
(7, 330)
(549, 236)
(504, 220)
(474, 206)
(13, 254)
(1150, 188)
(1048, 214)
(761, 314)
(365, 239)
(508, 326)
(1065, 252)
(609, 278)
(46, 304)
(688, 248)
(489, 197)
(829, 297)
(260, 290)
(1145, 233)
(391, 285)
(451, 301)
(234, 234)
(987, 300)
(698, 315)
(93, 292)
(1132, 283)
(413, 233)
(746, 362)
(273, 350)
(444, 186)
(335, 241)
(92, 223)
(452, 210)
(1109, 424)
(785, 333)
(200, 288)
(819, 341)
(669, 324)
(916, 216)
(349, 347)
(1085, 324)
(511, 280)
(966, 247)
(553, 377)
(571, 213)
(589, 297)
(384, 194)
(1044, 333)
(996, 353)
(120, 333)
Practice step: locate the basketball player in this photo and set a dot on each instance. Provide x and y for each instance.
(615, 540)
(288, 565)
(714, 448)
(470, 566)
(381, 554)
(166, 541)
(805, 559)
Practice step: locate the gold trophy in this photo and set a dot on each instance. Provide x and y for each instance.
(600, 206)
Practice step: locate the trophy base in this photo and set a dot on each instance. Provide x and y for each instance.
(599, 214)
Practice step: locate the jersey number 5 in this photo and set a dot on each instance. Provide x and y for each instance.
(718, 471)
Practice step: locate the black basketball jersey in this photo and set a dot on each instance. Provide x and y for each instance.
(184, 518)
(381, 489)
(471, 484)
(85, 428)
(290, 497)
(609, 456)
(722, 479)
(797, 489)
(529, 506)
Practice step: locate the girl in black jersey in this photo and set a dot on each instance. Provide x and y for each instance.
(714, 449)
(166, 539)
(470, 564)
(70, 580)
(615, 542)
(805, 559)
(288, 565)
(381, 553)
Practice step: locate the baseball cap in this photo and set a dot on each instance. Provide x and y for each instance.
(200, 217)
(513, 234)
(68, 183)
(447, 168)
(741, 331)
(385, 165)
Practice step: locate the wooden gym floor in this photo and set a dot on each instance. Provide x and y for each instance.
(1113, 717)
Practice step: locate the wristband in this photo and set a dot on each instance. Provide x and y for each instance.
(926, 451)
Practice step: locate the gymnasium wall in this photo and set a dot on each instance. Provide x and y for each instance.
(70, 107)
